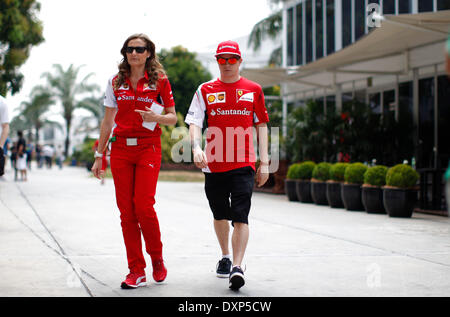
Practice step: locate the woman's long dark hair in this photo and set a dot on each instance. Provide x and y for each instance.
(153, 67)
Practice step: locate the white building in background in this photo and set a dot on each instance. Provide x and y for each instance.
(56, 136)
(338, 50)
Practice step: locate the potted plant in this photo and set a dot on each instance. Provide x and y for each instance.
(372, 193)
(400, 192)
(351, 188)
(336, 177)
(303, 183)
(320, 175)
(290, 182)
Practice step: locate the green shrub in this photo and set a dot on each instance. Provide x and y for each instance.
(376, 175)
(322, 171)
(354, 173)
(292, 172)
(337, 171)
(85, 154)
(300, 170)
(402, 175)
(305, 169)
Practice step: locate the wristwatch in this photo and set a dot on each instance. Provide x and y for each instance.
(98, 155)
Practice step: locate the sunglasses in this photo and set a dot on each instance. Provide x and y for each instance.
(231, 60)
(139, 49)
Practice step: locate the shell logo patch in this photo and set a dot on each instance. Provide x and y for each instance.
(211, 98)
(218, 97)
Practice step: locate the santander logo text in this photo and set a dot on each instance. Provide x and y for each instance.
(231, 112)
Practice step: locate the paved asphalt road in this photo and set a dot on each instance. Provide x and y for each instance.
(60, 235)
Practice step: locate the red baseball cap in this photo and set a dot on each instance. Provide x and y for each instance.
(228, 47)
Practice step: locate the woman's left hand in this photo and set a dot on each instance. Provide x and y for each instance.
(148, 116)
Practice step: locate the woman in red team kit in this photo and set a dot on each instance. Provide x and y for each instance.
(140, 85)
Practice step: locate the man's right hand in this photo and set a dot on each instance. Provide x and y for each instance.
(199, 158)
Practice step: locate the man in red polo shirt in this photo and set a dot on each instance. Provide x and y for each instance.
(232, 105)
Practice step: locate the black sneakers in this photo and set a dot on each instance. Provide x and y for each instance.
(223, 268)
(236, 278)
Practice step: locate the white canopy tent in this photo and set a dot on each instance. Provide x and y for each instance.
(400, 47)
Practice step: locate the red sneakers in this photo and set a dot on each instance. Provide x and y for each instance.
(159, 270)
(134, 280)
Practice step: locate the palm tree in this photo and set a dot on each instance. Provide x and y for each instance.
(94, 105)
(269, 27)
(33, 111)
(64, 86)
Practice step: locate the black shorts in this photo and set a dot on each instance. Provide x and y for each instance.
(229, 193)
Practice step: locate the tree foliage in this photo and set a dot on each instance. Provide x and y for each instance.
(34, 110)
(311, 134)
(64, 85)
(358, 134)
(167, 142)
(269, 28)
(185, 75)
(19, 31)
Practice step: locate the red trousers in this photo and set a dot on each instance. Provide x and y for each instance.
(135, 172)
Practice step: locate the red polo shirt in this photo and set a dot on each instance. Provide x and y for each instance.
(231, 110)
(128, 122)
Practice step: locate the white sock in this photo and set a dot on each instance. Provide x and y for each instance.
(228, 256)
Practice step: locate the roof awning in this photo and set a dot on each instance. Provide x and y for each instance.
(403, 42)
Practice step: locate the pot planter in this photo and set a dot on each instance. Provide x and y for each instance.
(303, 188)
(351, 197)
(291, 189)
(334, 197)
(372, 199)
(399, 202)
(319, 192)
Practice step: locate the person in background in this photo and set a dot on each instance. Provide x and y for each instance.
(140, 86)
(48, 153)
(13, 158)
(59, 156)
(39, 157)
(6, 148)
(21, 163)
(4, 131)
(29, 150)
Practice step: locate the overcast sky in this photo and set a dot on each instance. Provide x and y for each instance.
(91, 32)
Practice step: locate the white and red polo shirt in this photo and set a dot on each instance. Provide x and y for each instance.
(128, 123)
(231, 111)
